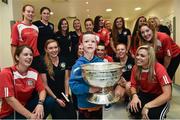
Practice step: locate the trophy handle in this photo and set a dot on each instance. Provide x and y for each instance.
(75, 73)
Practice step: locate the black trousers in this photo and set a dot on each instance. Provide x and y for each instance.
(154, 113)
(171, 70)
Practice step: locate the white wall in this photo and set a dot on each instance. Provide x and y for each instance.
(177, 15)
(5, 17)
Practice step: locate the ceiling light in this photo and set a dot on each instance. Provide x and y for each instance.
(108, 10)
(87, 2)
(51, 13)
(137, 8)
(126, 18)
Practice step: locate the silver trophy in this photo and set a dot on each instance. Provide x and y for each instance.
(104, 75)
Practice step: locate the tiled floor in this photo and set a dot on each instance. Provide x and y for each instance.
(118, 110)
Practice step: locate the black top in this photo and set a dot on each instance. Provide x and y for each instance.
(65, 44)
(57, 85)
(45, 32)
(164, 29)
(127, 68)
(123, 36)
(75, 43)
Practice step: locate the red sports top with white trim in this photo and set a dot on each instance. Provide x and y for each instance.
(24, 86)
(154, 87)
(23, 34)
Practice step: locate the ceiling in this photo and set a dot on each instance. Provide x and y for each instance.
(79, 8)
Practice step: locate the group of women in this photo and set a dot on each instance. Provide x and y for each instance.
(43, 60)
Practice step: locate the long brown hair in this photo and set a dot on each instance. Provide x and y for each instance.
(47, 59)
(151, 62)
(153, 41)
(115, 29)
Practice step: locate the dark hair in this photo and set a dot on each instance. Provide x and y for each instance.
(96, 23)
(135, 41)
(115, 30)
(24, 8)
(88, 19)
(60, 23)
(19, 50)
(44, 8)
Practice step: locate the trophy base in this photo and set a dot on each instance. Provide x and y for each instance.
(102, 98)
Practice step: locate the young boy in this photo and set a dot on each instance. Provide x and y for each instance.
(78, 85)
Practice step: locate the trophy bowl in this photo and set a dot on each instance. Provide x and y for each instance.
(104, 75)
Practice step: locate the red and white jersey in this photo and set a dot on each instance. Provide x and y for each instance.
(155, 86)
(163, 46)
(24, 86)
(23, 34)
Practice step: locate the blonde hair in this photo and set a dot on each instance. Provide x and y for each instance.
(151, 63)
(47, 59)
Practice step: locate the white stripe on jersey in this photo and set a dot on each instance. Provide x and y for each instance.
(165, 79)
(6, 92)
(30, 74)
(21, 27)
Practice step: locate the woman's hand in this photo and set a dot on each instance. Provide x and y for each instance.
(119, 91)
(39, 111)
(94, 89)
(145, 113)
(134, 103)
(61, 102)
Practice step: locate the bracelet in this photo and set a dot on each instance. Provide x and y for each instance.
(40, 102)
(145, 106)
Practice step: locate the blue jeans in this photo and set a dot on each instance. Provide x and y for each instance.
(48, 108)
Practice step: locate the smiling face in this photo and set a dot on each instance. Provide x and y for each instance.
(77, 25)
(89, 26)
(119, 23)
(121, 50)
(25, 57)
(89, 43)
(45, 15)
(100, 51)
(142, 58)
(52, 49)
(64, 25)
(141, 21)
(101, 22)
(146, 33)
(28, 13)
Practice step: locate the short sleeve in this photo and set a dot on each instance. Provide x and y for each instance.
(133, 80)
(39, 84)
(6, 86)
(14, 35)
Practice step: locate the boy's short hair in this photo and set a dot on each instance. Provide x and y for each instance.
(90, 33)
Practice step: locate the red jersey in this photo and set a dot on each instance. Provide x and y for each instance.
(23, 34)
(23, 84)
(167, 44)
(107, 59)
(163, 46)
(104, 36)
(154, 87)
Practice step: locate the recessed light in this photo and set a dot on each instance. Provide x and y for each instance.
(126, 18)
(87, 2)
(108, 10)
(51, 13)
(137, 8)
